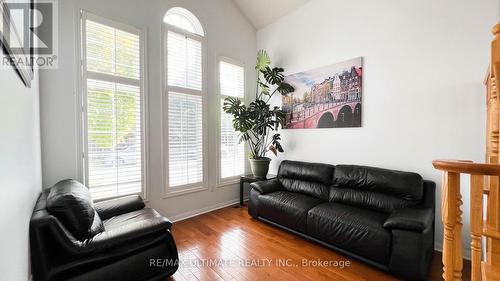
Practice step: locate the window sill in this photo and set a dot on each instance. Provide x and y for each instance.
(228, 181)
(174, 192)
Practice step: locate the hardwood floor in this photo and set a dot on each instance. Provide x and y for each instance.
(228, 244)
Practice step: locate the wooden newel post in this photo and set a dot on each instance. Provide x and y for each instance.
(452, 222)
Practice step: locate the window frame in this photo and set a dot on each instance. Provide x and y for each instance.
(82, 102)
(221, 182)
(169, 191)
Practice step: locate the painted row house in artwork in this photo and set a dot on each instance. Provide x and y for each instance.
(344, 87)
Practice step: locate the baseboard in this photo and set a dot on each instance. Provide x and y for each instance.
(197, 212)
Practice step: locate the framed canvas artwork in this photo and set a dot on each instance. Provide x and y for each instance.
(326, 97)
(16, 40)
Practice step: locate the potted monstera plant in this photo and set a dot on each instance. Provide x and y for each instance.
(259, 122)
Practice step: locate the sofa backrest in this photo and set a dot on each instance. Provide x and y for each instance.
(71, 203)
(375, 188)
(311, 179)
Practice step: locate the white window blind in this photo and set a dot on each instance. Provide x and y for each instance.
(232, 80)
(185, 104)
(184, 62)
(112, 51)
(113, 119)
(185, 136)
(232, 153)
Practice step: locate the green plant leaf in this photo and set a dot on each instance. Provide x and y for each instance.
(276, 143)
(264, 88)
(233, 106)
(285, 88)
(273, 76)
(256, 121)
(263, 60)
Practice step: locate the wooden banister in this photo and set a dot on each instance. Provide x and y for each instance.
(452, 216)
(492, 189)
(467, 167)
(485, 181)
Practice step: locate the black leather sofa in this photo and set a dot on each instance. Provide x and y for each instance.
(74, 239)
(382, 217)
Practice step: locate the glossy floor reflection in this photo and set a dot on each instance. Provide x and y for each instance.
(228, 244)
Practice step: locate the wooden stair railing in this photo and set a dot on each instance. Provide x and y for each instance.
(452, 219)
(492, 148)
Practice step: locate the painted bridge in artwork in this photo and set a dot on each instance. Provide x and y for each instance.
(327, 115)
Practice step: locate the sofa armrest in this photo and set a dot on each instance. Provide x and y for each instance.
(267, 186)
(410, 219)
(110, 208)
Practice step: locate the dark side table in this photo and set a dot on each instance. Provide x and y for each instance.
(249, 179)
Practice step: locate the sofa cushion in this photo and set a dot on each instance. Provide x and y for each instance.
(375, 188)
(356, 230)
(287, 208)
(307, 178)
(71, 202)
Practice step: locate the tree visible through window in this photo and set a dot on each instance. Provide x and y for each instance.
(113, 132)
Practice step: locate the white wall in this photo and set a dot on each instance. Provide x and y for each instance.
(424, 63)
(423, 97)
(20, 171)
(228, 34)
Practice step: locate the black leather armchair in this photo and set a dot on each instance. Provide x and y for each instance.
(73, 239)
(382, 217)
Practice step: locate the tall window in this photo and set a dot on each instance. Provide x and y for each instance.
(232, 153)
(113, 133)
(184, 48)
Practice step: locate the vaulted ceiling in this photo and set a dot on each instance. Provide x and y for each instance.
(264, 12)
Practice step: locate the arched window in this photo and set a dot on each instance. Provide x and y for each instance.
(185, 101)
(184, 19)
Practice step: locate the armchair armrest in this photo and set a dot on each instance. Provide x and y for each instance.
(110, 208)
(267, 186)
(410, 219)
(138, 233)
